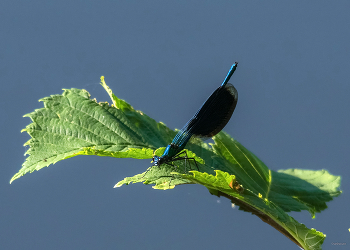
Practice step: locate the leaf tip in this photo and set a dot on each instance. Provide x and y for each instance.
(16, 176)
(118, 185)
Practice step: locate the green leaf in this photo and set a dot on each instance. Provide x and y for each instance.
(73, 124)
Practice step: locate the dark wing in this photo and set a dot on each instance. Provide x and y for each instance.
(212, 117)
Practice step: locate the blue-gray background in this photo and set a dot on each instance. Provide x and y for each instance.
(165, 58)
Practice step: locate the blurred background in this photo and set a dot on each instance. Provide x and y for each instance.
(165, 58)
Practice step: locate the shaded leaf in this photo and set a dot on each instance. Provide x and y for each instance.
(260, 206)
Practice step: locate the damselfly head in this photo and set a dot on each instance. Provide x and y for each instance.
(156, 160)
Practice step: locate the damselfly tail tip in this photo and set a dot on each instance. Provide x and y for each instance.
(234, 66)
